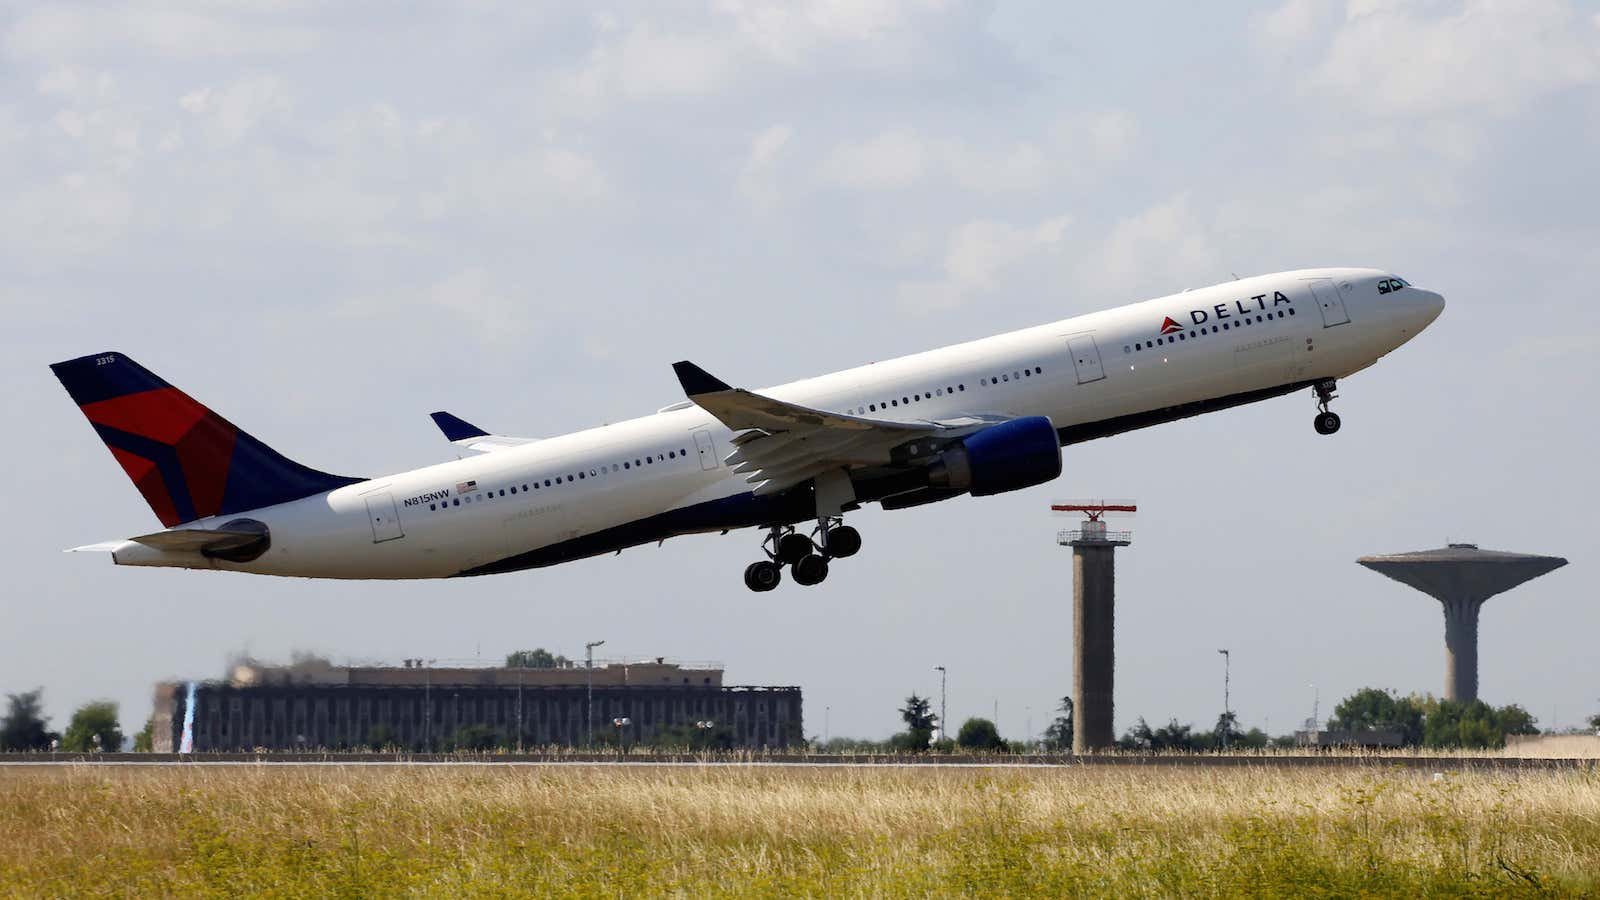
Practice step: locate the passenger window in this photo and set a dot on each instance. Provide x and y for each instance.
(1038, 370)
(961, 387)
(456, 502)
(547, 482)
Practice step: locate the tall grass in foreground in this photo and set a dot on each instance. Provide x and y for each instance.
(587, 832)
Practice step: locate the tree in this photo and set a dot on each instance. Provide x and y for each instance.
(1474, 724)
(1372, 709)
(1227, 733)
(1594, 721)
(537, 658)
(919, 718)
(24, 725)
(1059, 735)
(1171, 736)
(93, 727)
(145, 740)
(979, 734)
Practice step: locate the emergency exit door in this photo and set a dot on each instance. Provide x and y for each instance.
(383, 515)
(1329, 301)
(1086, 358)
(707, 450)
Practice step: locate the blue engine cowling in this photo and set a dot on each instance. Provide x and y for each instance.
(1006, 457)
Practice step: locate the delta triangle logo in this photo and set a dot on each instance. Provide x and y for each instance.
(1169, 326)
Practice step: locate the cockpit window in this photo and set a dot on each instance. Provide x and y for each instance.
(1383, 286)
(1391, 284)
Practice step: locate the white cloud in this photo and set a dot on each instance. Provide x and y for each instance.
(1395, 59)
(756, 183)
(899, 158)
(233, 111)
(61, 31)
(790, 29)
(1164, 248)
(976, 256)
(891, 159)
(641, 63)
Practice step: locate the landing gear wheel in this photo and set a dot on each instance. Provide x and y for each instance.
(810, 570)
(843, 541)
(794, 547)
(1326, 422)
(762, 576)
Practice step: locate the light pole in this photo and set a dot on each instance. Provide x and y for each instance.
(588, 703)
(1316, 709)
(944, 730)
(827, 715)
(1227, 723)
(519, 709)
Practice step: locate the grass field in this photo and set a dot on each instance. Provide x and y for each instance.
(890, 832)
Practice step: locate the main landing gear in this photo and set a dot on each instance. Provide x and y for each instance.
(1327, 421)
(806, 557)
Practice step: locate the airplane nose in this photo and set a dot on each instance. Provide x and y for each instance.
(1432, 304)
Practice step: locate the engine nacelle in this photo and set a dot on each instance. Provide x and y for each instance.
(1006, 457)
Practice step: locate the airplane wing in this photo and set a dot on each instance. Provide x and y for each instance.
(473, 439)
(782, 444)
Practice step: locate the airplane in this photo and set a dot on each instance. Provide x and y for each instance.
(978, 418)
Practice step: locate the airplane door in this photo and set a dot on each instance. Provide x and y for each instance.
(1329, 301)
(708, 451)
(383, 515)
(1086, 358)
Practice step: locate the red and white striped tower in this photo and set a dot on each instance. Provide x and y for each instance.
(1093, 616)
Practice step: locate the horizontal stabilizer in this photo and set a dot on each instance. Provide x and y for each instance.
(197, 540)
(473, 439)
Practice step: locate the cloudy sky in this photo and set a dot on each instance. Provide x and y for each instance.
(326, 222)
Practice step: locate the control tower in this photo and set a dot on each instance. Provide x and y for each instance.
(1461, 577)
(1093, 617)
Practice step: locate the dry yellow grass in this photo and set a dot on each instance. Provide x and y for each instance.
(590, 831)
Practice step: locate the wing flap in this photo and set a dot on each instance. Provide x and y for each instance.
(778, 444)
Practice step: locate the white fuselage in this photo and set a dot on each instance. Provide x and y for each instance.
(663, 474)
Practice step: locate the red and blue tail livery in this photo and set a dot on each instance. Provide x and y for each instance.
(187, 461)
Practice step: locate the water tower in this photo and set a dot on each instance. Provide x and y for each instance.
(1461, 577)
(1094, 617)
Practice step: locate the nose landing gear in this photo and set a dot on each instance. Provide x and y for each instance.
(1327, 421)
(806, 557)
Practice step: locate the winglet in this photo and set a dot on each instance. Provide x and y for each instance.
(696, 380)
(456, 429)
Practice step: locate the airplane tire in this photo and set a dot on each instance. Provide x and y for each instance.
(794, 547)
(1326, 423)
(762, 576)
(810, 570)
(843, 541)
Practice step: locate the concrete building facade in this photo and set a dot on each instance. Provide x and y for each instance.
(315, 705)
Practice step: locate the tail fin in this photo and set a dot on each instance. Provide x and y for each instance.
(187, 461)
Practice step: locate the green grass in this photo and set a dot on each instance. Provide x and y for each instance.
(889, 832)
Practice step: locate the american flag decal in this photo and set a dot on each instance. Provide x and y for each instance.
(466, 487)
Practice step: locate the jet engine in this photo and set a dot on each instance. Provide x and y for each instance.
(1006, 457)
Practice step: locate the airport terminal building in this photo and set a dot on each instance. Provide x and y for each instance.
(314, 705)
